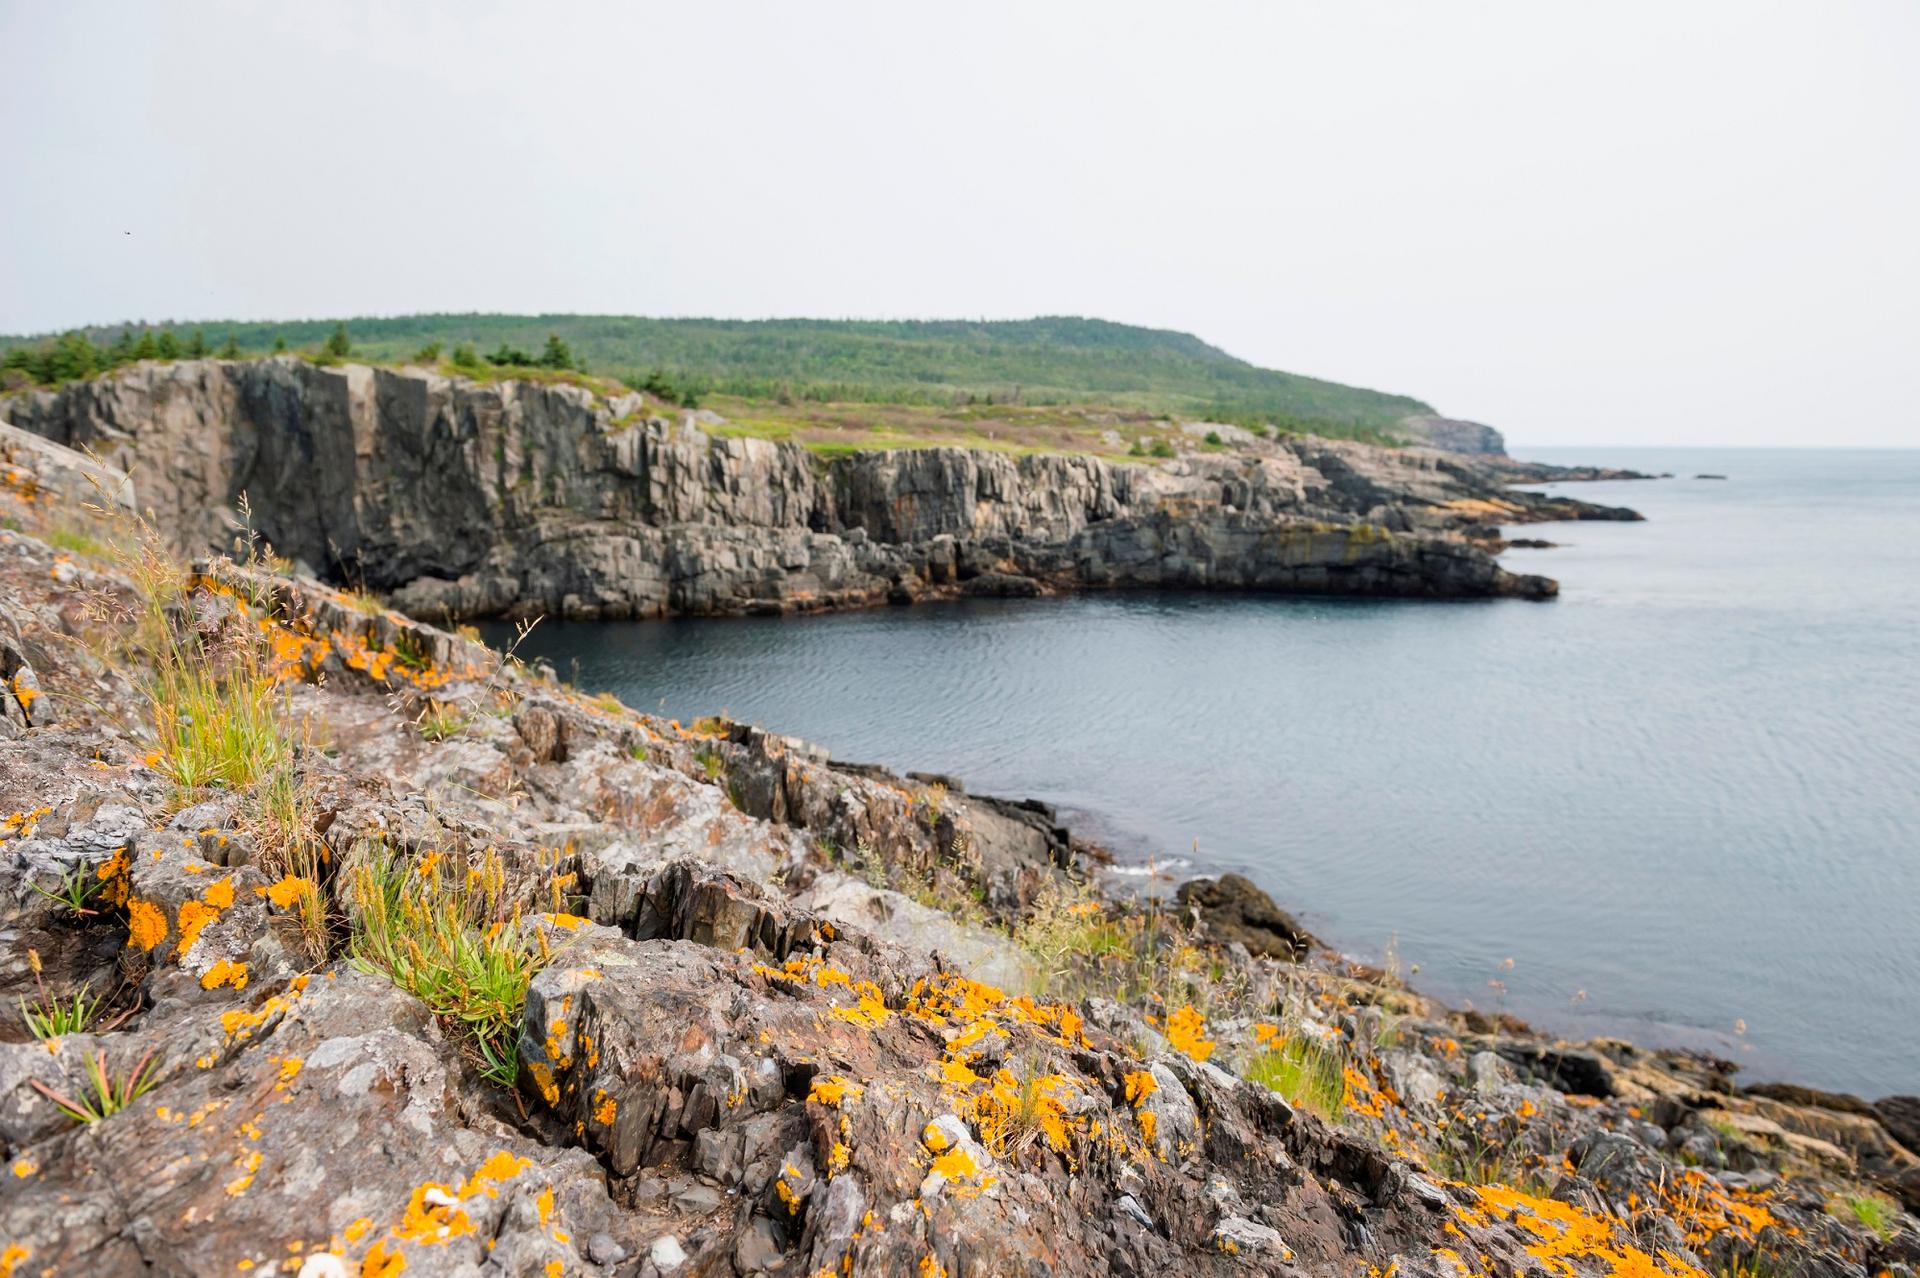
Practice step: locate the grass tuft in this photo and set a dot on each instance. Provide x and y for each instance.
(1307, 1073)
(105, 1096)
(443, 931)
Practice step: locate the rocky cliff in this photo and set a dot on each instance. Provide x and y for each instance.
(466, 499)
(1454, 435)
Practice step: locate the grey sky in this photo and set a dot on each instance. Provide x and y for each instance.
(1669, 222)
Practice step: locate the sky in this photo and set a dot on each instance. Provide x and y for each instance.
(1633, 223)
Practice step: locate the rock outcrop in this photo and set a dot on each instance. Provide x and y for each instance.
(1453, 435)
(464, 499)
(758, 1031)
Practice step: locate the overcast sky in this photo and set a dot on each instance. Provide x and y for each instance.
(1635, 223)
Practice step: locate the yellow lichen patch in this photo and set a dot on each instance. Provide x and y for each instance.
(1140, 1085)
(225, 972)
(289, 1070)
(567, 921)
(11, 1257)
(24, 1167)
(1562, 1233)
(1187, 1031)
(961, 1172)
(604, 1109)
(838, 1159)
(115, 881)
(1360, 1096)
(933, 1138)
(1704, 1209)
(287, 891)
(870, 1009)
(249, 1166)
(146, 924)
(833, 1090)
(380, 1263)
(785, 1192)
(196, 915)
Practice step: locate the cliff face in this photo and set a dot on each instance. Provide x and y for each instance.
(465, 499)
(1456, 436)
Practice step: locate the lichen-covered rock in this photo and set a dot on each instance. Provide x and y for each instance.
(755, 1043)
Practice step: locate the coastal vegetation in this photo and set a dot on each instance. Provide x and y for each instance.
(786, 365)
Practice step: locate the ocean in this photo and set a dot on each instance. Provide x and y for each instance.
(1680, 804)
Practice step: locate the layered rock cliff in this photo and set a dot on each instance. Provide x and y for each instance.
(464, 499)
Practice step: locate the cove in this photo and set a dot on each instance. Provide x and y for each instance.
(1681, 800)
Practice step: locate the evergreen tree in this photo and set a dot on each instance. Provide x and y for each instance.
(428, 354)
(339, 345)
(197, 344)
(146, 347)
(279, 346)
(230, 349)
(169, 344)
(464, 356)
(556, 355)
(122, 350)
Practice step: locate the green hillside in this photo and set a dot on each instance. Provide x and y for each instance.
(1047, 361)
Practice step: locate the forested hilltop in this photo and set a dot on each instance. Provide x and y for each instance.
(1048, 361)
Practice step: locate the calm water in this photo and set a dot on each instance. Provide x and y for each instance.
(1684, 799)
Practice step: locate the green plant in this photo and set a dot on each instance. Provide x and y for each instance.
(409, 652)
(1874, 1213)
(339, 345)
(428, 354)
(107, 1097)
(1161, 448)
(367, 603)
(283, 818)
(445, 932)
(75, 541)
(440, 720)
(1213, 439)
(58, 1017)
(1306, 1071)
(76, 890)
(710, 762)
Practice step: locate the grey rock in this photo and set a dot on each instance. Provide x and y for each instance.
(463, 499)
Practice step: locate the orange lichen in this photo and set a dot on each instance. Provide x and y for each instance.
(12, 1256)
(146, 924)
(225, 972)
(833, 1090)
(605, 1109)
(196, 915)
(284, 893)
(1562, 1233)
(785, 1192)
(1187, 1031)
(380, 1263)
(1140, 1085)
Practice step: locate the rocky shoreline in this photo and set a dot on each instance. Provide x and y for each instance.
(746, 1010)
(461, 500)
